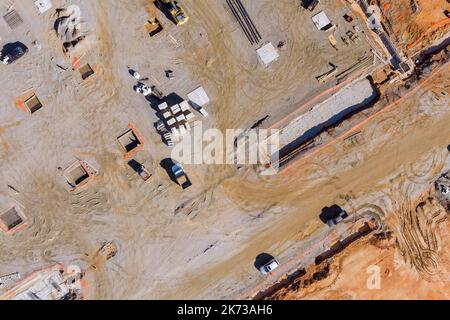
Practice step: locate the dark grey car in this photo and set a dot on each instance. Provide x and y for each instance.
(14, 54)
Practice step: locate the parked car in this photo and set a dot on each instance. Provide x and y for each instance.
(13, 54)
(269, 266)
(338, 218)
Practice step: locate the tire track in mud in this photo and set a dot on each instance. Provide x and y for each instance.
(415, 229)
(415, 213)
(427, 167)
(44, 235)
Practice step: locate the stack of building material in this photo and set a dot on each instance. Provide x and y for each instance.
(176, 117)
(162, 130)
(198, 99)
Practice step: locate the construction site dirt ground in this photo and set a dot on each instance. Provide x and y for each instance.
(200, 242)
(415, 29)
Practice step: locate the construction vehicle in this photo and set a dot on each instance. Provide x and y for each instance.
(146, 90)
(107, 250)
(180, 175)
(140, 169)
(333, 42)
(177, 13)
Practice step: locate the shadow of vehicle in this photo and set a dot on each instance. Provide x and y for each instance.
(164, 8)
(173, 99)
(329, 213)
(167, 164)
(131, 72)
(261, 259)
(8, 47)
(136, 166)
(186, 184)
(139, 169)
(448, 148)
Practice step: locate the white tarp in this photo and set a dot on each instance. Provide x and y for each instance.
(321, 20)
(267, 53)
(43, 5)
(198, 97)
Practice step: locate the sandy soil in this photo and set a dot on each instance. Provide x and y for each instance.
(397, 279)
(200, 242)
(415, 31)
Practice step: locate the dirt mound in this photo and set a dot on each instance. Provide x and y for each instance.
(69, 27)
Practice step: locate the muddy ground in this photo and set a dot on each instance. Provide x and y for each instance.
(200, 242)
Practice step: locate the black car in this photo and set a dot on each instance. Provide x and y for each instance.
(14, 54)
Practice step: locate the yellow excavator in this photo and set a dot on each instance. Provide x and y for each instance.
(176, 11)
